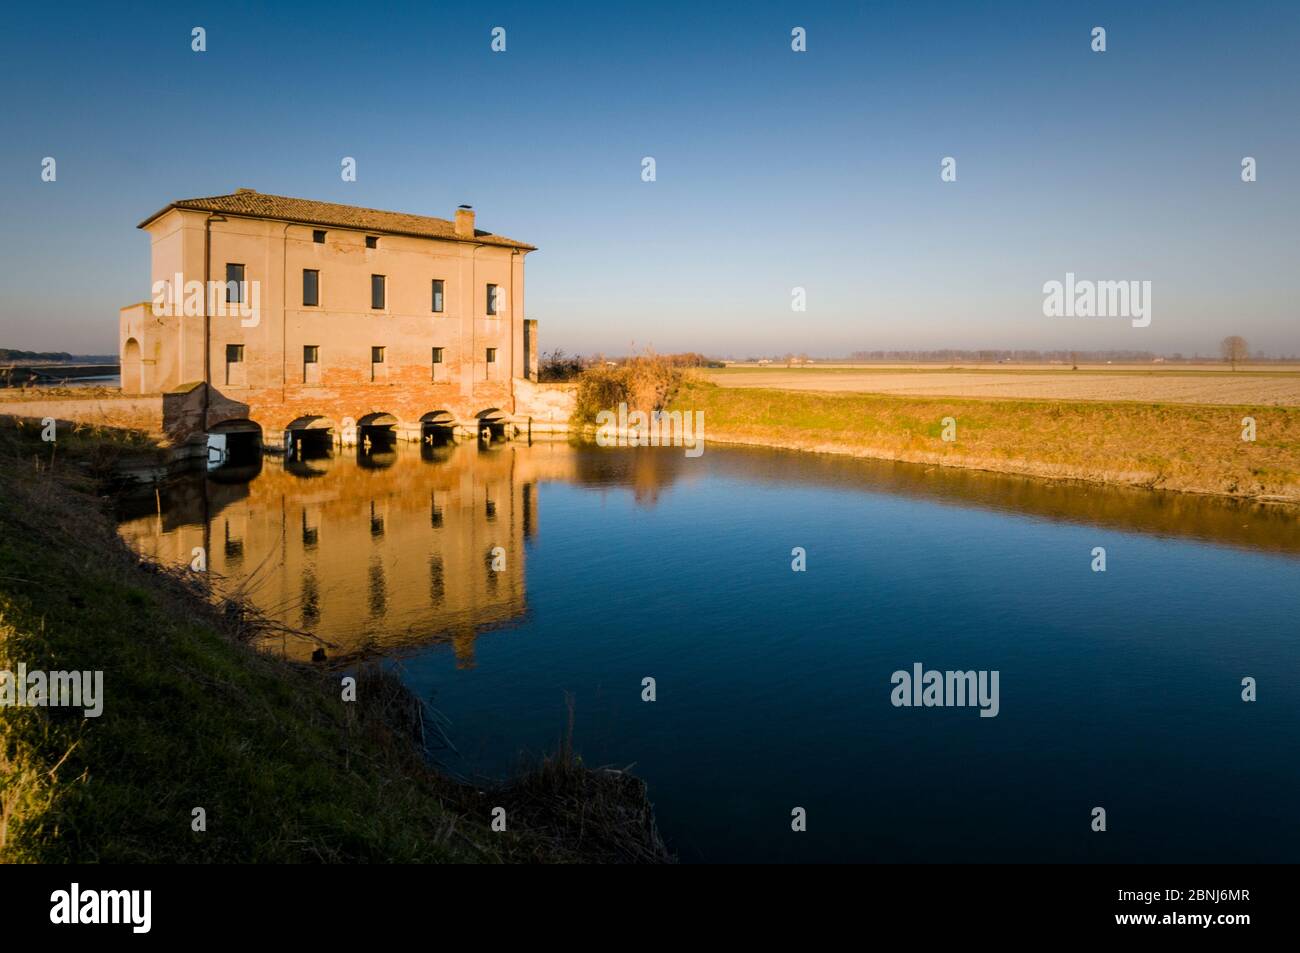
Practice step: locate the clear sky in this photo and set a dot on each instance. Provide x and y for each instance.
(775, 169)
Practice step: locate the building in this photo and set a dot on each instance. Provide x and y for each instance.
(285, 317)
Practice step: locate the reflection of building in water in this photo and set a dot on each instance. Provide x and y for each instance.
(383, 557)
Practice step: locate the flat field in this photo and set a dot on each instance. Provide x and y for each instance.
(1273, 385)
(1155, 443)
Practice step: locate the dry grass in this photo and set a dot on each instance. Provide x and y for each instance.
(61, 392)
(1192, 448)
(604, 812)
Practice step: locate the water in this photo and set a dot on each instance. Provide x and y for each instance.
(1119, 689)
(99, 380)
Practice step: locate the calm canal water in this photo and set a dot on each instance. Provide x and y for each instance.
(1119, 689)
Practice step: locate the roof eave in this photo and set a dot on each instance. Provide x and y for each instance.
(500, 243)
(157, 215)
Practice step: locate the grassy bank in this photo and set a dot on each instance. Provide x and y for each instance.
(1191, 448)
(284, 769)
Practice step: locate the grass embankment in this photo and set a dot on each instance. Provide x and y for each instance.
(60, 392)
(193, 717)
(1191, 448)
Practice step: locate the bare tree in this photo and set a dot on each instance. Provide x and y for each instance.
(1234, 349)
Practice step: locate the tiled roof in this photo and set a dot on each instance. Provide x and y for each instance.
(308, 212)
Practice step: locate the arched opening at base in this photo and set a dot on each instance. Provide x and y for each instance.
(437, 435)
(437, 429)
(309, 438)
(377, 440)
(234, 443)
(493, 427)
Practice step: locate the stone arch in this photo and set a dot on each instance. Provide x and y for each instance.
(310, 422)
(236, 425)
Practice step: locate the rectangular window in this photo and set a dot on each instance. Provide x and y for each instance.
(377, 292)
(372, 241)
(438, 285)
(311, 364)
(437, 361)
(377, 370)
(318, 236)
(234, 284)
(491, 355)
(235, 374)
(493, 298)
(376, 355)
(310, 288)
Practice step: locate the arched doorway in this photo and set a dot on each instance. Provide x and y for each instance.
(132, 368)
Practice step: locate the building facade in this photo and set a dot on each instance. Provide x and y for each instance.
(288, 315)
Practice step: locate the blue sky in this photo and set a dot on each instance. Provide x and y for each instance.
(775, 169)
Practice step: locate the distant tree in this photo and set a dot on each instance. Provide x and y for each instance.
(1234, 349)
(10, 354)
(688, 359)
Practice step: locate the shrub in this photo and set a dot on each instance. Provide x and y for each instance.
(558, 366)
(646, 383)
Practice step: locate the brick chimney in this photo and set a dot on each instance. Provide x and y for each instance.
(465, 222)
